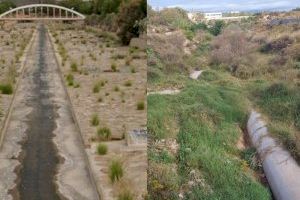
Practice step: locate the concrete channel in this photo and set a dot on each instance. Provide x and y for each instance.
(42, 155)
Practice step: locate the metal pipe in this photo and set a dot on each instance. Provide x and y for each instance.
(282, 171)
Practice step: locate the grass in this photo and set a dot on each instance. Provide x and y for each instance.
(125, 195)
(6, 88)
(115, 171)
(95, 120)
(208, 116)
(104, 133)
(102, 149)
(114, 67)
(133, 70)
(140, 105)
(128, 83)
(70, 79)
(281, 103)
(96, 88)
(116, 89)
(74, 67)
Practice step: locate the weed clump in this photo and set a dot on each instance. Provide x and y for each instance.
(114, 67)
(125, 195)
(140, 105)
(128, 83)
(95, 120)
(74, 67)
(6, 88)
(104, 133)
(102, 149)
(70, 79)
(115, 171)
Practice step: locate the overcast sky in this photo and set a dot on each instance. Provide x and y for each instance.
(228, 5)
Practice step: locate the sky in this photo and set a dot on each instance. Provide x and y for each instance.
(227, 5)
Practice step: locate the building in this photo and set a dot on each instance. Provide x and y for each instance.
(209, 16)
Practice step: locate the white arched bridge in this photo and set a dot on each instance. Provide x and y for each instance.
(41, 12)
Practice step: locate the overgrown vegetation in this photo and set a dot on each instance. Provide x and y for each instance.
(102, 149)
(104, 133)
(115, 171)
(6, 88)
(246, 65)
(128, 17)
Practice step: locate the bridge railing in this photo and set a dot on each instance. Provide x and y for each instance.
(41, 11)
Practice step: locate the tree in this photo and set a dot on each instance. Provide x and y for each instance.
(216, 29)
(130, 16)
(6, 5)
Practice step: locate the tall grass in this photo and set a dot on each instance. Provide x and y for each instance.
(209, 117)
(115, 171)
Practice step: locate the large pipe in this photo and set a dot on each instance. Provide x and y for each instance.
(282, 171)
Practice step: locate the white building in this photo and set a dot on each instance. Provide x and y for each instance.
(210, 16)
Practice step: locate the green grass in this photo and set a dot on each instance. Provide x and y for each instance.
(102, 149)
(128, 83)
(114, 67)
(209, 117)
(281, 103)
(74, 67)
(70, 79)
(125, 195)
(115, 171)
(140, 105)
(95, 120)
(6, 88)
(104, 133)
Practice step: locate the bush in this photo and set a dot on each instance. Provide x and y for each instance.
(104, 133)
(115, 171)
(74, 67)
(277, 45)
(97, 87)
(6, 89)
(102, 149)
(125, 195)
(70, 79)
(140, 105)
(230, 47)
(128, 83)
(114, 67)
(216, 29)
(130, 14)
(95, 120)
(6, 5)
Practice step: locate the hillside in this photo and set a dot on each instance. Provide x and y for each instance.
(199, 148)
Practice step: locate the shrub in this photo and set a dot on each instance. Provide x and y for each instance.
(125, 195)
(130, 13)
(116, 89)
(230, 47)
(114, 67)
(216, 29)
(115, 171)
(128, 83)
(140, 105)
(102, 149)
(277, 45)
(97, 87)
(74, 67)
(95, 120)
(104, 133)
(133, 70)
(70, 79)
(6, 88)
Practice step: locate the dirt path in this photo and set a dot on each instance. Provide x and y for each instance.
(42, 155)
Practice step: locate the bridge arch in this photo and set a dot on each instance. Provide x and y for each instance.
(41, 12)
